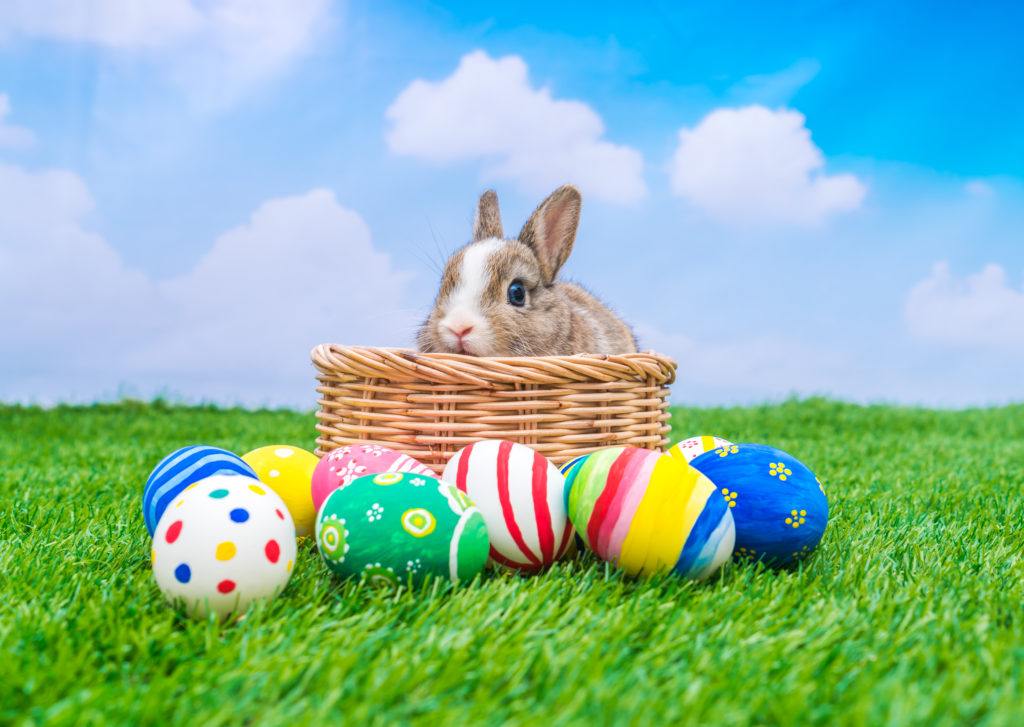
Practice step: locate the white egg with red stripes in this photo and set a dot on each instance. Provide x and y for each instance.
(520, 495)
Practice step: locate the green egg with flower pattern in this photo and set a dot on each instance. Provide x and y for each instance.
(400, 528)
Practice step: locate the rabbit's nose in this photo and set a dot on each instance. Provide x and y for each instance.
(466, 330)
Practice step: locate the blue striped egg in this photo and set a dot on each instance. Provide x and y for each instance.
(777, 503)
(182, 468)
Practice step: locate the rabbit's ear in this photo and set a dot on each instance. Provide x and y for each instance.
(551, 230)
(487, 222)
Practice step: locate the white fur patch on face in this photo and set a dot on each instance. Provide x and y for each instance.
(464, 305)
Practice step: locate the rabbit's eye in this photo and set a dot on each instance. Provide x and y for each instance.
(517, 294)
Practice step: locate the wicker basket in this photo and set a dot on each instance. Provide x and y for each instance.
(430, 405)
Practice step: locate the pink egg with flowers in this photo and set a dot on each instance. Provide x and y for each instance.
(344, 464)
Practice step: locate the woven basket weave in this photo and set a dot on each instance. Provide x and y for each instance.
(431, 405)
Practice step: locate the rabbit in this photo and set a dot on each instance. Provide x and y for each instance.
(501, 297)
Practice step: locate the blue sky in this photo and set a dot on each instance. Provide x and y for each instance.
(823, 201)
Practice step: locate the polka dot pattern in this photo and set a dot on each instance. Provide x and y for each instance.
(272, 551)
(226, 550)
(218, 554)
(288, 472)
(173, 531)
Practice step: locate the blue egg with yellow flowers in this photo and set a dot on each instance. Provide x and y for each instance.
(777, 503)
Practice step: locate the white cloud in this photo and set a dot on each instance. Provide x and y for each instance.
(11, 136)
(214, 49)
(113, 23)
(980, 311)
(79, 324)
(64, 293)
(753, 165)
(487, 110)
(302, 270)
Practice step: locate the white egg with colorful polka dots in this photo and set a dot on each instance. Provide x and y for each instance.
(223, 543)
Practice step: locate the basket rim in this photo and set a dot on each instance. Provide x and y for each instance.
(406, 364)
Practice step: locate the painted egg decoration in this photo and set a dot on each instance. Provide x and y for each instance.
(180, 469)
(648, 513)
(344, 464)
(288, 471)
(692, 447)
(223, 543)
(393, 527)
(521, 497)
(778, 504)
(569, 472)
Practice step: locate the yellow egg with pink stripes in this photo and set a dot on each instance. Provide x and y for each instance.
(649, 513)
(692, 447)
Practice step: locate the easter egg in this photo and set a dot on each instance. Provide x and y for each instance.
(778, 504)
(180, 469)
(288, 471)
(521, 497)
(692, 447)
(223, 543)
(569, 471)
(648, 513)
(397, 527)
(344, 464)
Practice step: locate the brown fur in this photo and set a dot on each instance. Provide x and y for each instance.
(559, 318)
(487, 222)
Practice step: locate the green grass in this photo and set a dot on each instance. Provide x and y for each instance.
(909, 612)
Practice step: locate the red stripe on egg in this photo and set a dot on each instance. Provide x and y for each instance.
(463, 468)
(629, 479)
(509, 563)
(604, 501)
(540, 507)
(504, 497)
(566, 539)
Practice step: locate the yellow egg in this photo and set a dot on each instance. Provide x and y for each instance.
(288, 471)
